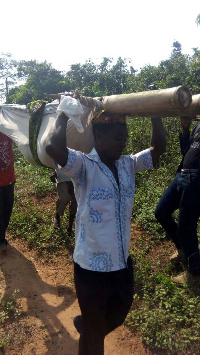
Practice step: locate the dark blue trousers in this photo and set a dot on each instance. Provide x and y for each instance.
(6, 206)
(184, 194)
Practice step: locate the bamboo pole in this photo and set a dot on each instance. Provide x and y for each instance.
(171, 102)
(162, 102)
(193, 109)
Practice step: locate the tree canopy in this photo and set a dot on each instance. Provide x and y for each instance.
(91, 79)
(198, 20)
(8, 74)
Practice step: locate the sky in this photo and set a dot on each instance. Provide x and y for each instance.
(69, 32)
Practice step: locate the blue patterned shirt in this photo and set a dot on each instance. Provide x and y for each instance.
(102, 232)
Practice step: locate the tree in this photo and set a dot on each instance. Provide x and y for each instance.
(83, 77)
(8, 74)
(40, 78)
(120, 72)
(198, 20)
(106, 78)
(100, 80)
(194, 77)
(140, 81)
(176, 52)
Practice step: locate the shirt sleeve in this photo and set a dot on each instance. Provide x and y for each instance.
(142, 160)
(75, 166)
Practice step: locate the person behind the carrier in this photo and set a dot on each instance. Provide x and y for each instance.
(183, 194)
(7, 182)
(66, 197)
(104, 183)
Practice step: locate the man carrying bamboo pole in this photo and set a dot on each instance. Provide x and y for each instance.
(183, 193)
(104, 182)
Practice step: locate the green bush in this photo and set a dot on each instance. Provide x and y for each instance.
(32, 219)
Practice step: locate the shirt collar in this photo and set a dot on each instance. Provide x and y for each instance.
(93, 155)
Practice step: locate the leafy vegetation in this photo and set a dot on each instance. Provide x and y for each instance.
(10, 311)
(166, 315)
(32, 217)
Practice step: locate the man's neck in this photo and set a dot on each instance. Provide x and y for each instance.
(107, 161)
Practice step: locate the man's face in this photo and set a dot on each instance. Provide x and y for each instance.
(112, 142)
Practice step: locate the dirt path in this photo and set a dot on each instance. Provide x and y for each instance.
(48, 299)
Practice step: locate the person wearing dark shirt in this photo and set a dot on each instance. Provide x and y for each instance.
(183, 193)
(7, 182)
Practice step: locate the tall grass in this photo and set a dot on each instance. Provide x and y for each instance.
(34, 208)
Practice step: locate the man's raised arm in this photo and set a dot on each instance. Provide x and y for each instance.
(158, 139)
(56, 144)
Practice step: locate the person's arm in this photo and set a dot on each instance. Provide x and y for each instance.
(158, 139)
(56, 143)
(184, 136)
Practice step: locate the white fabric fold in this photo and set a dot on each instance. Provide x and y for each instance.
(73, 109)
(15, 119)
